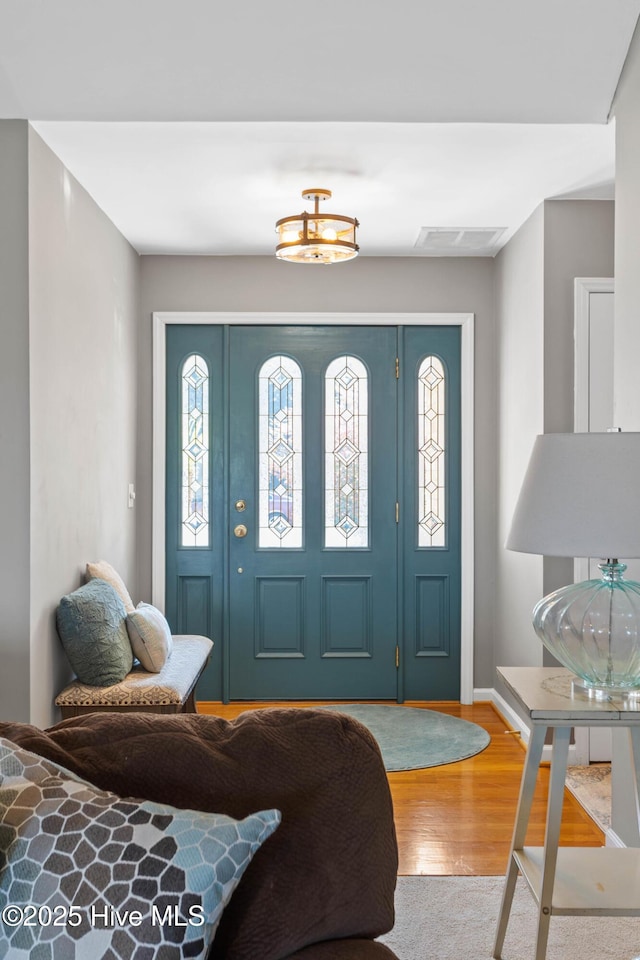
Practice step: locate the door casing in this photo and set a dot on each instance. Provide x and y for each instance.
(464, 320)
(592, 384)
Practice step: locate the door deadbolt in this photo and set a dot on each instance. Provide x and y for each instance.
(240, 531)
(241, 505)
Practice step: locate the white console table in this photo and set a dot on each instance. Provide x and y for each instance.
(569, 881)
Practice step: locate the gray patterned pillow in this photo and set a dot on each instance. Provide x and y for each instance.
(85, 874)
(92, 626)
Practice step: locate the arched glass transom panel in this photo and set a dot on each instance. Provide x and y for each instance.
(280, 453)
(346, 454)
(195, 452)
(432, 521)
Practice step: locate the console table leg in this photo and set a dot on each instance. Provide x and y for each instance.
(527, 788)
(559, 756)
(634, 736)
(505, 908)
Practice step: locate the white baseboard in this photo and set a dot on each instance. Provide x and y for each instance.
(504, 709)
(515, 720)
(611, 839)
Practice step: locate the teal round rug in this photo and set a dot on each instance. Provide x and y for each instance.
(411, 738)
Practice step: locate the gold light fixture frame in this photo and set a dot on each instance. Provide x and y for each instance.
(317, 237)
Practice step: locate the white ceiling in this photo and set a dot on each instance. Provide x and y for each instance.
(196, 125)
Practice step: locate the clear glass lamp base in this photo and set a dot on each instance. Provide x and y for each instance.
(601, 692)
(593, 629)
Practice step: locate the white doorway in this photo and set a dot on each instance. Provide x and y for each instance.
(593, 412)
(162, 320)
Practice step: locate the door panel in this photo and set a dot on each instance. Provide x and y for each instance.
(432, 616)
(346, 617)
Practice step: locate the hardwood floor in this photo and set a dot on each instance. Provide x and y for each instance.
(458, 818)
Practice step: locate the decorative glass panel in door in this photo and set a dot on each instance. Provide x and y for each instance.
(347, 453)
(280, 453)
(431, 454)
(194, 414)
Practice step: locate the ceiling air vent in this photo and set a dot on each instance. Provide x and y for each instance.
(459, 241)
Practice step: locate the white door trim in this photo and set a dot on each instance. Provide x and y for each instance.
(464, 320)
(583, 287)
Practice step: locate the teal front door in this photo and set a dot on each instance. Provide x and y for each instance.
(313, 487)
(312, 586)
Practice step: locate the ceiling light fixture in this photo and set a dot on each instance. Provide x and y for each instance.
(315, 237)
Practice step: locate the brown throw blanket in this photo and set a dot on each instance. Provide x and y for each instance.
(329, 870)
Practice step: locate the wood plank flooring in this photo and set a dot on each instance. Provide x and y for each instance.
(457, 819)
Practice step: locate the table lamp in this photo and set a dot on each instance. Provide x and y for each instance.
(581, 498)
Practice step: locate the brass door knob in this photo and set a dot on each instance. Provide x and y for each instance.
(240, 531)
(241, 505)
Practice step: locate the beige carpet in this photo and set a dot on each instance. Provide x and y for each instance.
(591, 786)
(454, 918)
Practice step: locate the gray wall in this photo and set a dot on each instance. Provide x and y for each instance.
(562, 240)
(14, 422)
(627, 349)
(627, 272)
(578, 242)
(519, 316)
(83, 313)
(69, 339)
(365, 284)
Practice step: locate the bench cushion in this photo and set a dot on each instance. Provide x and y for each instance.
(140, 688)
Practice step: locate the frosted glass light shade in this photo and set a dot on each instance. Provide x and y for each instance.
(581, 498)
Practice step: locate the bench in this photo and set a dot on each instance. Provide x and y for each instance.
(170, 691)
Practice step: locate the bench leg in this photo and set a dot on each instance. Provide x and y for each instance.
(190, 703)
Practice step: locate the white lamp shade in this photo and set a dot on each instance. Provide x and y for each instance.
(580, 497)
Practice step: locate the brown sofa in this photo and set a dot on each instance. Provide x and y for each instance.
(322, 887)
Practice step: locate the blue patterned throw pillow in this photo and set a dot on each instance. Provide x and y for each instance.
(91, 623)
(85, 874)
